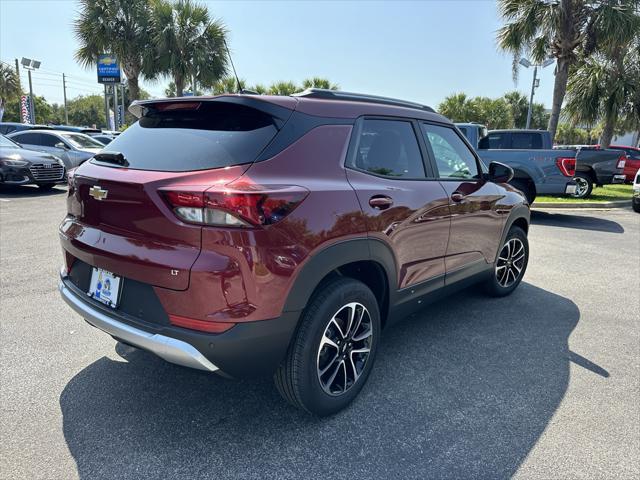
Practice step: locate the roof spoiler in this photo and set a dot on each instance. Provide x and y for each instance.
(279, 113)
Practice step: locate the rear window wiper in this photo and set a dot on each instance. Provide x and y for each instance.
(112, 157)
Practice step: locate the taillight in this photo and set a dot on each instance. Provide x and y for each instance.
(242, 205)
(622, 161)
(567, 166)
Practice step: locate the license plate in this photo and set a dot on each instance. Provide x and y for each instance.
(571, 189)
(104, 287)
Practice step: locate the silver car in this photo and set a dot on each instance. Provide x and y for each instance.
(73, 148)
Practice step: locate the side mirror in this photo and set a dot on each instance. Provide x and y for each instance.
(61, 146)
(500, 173)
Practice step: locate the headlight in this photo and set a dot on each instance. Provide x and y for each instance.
(13, 161)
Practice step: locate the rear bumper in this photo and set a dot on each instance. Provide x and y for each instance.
(248, 349)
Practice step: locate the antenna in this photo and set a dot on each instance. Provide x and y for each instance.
(232, 65)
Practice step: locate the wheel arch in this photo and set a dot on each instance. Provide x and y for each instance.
(368, 260)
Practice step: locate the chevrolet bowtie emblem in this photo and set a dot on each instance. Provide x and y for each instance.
(98, 193)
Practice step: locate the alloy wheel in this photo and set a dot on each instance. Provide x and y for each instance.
(510, 262)
(344, 348)
(582, 187)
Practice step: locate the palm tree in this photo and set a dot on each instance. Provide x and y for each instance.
(119, 27)
(9, 86)
(319, 82)
(227, 84)
(562, 29)
(283, 88)
(189, 44)
(604, 88)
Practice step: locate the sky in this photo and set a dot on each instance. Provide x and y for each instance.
(415, 50)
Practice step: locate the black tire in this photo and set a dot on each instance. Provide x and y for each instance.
(526, 187)
(45, 187)
(496, 286)
(298, 378)
(636, 205)
(584, 185)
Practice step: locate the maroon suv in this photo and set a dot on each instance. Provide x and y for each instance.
(249, 235)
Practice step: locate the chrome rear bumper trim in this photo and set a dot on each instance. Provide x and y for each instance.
(170, 349)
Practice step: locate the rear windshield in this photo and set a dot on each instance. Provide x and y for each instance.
(209, 135)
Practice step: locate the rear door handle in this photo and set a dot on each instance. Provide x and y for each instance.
(380, 202)
(457, 197)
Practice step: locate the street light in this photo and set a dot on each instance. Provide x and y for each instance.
(536, 81)
(31, 64)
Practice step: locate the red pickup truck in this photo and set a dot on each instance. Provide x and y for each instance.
(632, 164)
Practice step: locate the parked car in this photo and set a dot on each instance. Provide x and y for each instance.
(19, 166)
(10, 127)
(632, 163)
(536, 171)
(636, 192)
(378, 205)
(72, 148)
(72, 128)
(595, 167)
(545, 171)
(103, 138)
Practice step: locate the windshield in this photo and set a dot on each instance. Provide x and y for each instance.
(5, 142)
(79, 140)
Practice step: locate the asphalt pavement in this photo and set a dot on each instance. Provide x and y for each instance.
(542, 384)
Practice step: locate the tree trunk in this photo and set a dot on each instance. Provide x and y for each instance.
(179, 81)
(134, 88)
(559, 90)
(608, 130)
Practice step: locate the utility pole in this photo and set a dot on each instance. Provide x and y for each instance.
(64, 93)
(116, 121)
(122, 101)
(106, 108)
(533, 89)
(31, 100)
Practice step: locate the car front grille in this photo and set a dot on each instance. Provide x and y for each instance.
(47, 172)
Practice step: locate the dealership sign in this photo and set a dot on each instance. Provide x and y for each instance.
(108, 69)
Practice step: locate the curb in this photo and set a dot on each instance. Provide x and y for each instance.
(616, 204)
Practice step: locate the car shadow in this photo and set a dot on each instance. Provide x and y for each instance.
(28, 191)
(581, 222)
(462, 390)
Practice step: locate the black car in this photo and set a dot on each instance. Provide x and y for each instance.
(10, 127)
(19, 166)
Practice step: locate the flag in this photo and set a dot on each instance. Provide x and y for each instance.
(25, 109)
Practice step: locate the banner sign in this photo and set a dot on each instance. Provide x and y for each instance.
(108, 69)
(25, 109)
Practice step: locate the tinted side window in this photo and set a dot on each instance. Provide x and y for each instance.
(497, 140)
(28, 138)
(389, 148)
(527, 140)
(452, 156)
(47, 140)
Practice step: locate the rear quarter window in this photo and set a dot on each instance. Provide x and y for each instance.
(213, 135)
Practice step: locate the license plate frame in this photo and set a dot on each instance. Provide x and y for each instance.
(105, 287)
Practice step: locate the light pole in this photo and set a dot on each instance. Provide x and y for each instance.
(535, 83)
(31, 64)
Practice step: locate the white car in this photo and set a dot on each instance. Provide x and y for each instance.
(635, 201)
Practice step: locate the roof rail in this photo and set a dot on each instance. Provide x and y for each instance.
(327, 94)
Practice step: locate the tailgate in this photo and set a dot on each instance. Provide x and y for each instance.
(131, 231)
